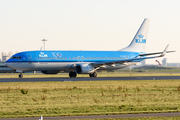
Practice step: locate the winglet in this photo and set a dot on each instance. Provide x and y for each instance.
(164, 52)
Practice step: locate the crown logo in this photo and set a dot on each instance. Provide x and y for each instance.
(140, 36)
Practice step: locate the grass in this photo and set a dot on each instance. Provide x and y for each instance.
(88, 98)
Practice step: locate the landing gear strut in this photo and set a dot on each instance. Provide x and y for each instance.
(72, 74)
(20, 75)
(94, 74)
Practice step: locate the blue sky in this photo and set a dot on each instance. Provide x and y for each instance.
(88, 24)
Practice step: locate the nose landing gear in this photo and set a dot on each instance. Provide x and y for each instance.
(20, 75)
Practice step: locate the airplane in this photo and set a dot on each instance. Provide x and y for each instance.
(85, 62)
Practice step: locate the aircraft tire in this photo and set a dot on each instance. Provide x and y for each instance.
(90, 75)
(74, 74)
(71, 74)
(94, 74)
(20, 76)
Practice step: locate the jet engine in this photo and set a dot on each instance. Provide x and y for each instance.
(50, 72)
(84, 69)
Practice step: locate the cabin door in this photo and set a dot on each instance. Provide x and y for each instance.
(29, 58)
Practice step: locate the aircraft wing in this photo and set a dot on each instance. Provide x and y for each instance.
(155, 53)
(123, 61)
(137, 59)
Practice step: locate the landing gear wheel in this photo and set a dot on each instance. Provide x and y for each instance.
(72, 74)
(94, 74)
(20, 76)
(90, 75)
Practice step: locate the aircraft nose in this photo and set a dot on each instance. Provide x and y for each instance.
(7, 63)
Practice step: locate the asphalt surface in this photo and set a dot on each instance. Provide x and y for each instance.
(89, 79)
(101, 116)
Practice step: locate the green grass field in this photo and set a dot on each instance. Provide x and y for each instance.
(88, 97)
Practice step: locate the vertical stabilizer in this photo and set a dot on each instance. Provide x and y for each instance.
(138, 43)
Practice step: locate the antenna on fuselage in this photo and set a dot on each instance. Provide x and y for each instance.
(41, 48)
(44, 40)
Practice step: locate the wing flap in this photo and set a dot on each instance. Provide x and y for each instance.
(122, 61)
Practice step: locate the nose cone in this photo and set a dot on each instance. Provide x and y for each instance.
(7, 63)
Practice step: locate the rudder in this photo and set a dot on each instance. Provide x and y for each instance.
(138, 43)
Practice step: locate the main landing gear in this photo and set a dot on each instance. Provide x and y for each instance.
(72, 74)
(20, 75)
(94, 74)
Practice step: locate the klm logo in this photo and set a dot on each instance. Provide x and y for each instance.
(140, 40)
(42, 54)
(87, 68)
(140, 36)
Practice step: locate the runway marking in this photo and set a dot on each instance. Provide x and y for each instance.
(89, 79)
(101, 116)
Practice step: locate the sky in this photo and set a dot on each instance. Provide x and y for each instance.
(89, 25)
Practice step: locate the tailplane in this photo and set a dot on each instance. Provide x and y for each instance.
(138, 43)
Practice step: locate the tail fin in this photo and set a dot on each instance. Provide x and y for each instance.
(138, 43)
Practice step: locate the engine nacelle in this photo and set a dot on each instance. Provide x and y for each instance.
(50, 72)
(84, 69)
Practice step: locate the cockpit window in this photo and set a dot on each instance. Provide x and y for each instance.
(16, 57)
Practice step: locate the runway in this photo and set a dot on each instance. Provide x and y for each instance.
(88, 79)
(100, 116)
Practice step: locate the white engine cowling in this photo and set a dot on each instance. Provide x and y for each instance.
(84, 69)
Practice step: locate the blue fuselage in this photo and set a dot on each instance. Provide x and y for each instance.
(62, 60)
(71, 56)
